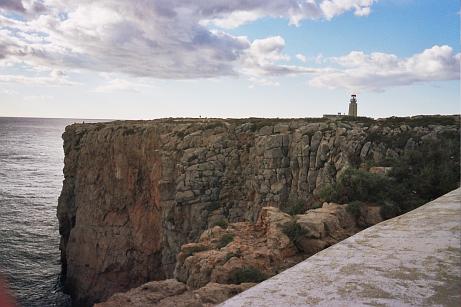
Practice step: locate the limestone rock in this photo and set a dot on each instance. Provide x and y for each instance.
(171, 293)
(223, 252)
(136, 191)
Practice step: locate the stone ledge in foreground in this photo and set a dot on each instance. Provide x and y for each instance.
(411, 260)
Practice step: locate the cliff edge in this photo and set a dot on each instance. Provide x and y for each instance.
(136, 191)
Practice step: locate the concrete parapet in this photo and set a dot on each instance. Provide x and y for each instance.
(411, 260)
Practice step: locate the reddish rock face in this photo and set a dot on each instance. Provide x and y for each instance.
(134, 192)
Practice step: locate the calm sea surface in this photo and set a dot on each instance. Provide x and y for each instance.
(31, 162)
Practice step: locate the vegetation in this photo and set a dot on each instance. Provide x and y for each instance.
(354, 208)
(247, 274)
(420, 121)
(221, 223)
(360, 119)
(417, 177)
(294, 232)
(294, 206)
(389, 210)
(231, 255)
(225, 240)
(357, 185)
(398, 140)
(214, 124)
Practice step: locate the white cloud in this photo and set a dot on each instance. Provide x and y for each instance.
(333, 8)
(120, 85)
(39, 75)
(301, 57)
(378, 71)
(161, 39)
(264, 56)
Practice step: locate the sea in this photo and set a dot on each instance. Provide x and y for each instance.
(31, 163)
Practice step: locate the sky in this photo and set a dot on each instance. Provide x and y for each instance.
(145, 59)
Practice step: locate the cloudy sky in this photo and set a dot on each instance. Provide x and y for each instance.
(228, 58)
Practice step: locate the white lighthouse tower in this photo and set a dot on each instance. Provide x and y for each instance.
(353, 106)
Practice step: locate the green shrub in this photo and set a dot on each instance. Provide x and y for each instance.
(316, 205)
(225, 240)
(247, 274)
(294, 232)
(389, 210)
(356, 184)
(294, 206)
(418, 176)
(354, 208)
(221, 223)
(431, 170)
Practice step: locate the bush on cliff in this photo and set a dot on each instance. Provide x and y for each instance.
(294, 206)
(221, 223)
(357, 185)
(354, 208)
(247, 274)
(225, 240)
(416, 177)
(428, 172)
(294, 232)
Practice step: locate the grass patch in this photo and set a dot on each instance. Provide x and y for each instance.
(247, 274)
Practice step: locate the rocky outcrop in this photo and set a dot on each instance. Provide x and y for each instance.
(172, 293)
(221, 254)
(230, 258)
(135, 192)
(274, 243)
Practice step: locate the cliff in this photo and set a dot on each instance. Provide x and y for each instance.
(136, 191)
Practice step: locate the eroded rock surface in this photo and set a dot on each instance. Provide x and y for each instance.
(172, 293)
(220, 253)
(135, 192)
(227, 259)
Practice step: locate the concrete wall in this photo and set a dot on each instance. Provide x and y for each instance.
(411, 260)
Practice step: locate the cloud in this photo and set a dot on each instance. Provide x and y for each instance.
(52, 80)
(234, 13)
(301, 57)
(27, 8)
(378, 71)
(333, 8)
(120, 85)
(161, 39)
(264, 56)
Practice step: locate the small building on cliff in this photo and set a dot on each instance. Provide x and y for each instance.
(352, 110)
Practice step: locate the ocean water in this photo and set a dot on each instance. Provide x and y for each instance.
(31, 162)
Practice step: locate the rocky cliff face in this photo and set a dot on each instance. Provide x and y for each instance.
(134, 192)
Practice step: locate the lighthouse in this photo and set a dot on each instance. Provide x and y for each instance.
(353, 106)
